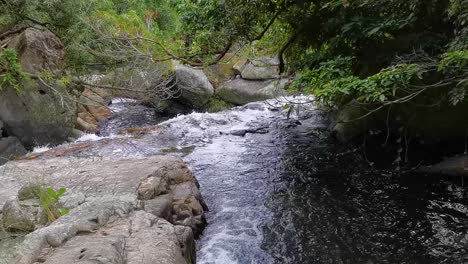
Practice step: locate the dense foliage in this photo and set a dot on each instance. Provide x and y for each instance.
(373, 51)
(380, 51)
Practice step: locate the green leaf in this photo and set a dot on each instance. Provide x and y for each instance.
(60, 192)
(373, 31)
(51, 192)
(64, 211)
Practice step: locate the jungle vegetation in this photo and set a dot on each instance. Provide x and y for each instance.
(378, 52)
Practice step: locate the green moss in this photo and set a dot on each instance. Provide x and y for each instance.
(217, 105)
(184, 151)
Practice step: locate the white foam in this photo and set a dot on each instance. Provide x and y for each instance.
(118, 100)
(89, 137)
(40, 149)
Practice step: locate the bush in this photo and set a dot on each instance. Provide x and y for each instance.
(11, 72)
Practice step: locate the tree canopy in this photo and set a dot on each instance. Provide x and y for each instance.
(373, 51)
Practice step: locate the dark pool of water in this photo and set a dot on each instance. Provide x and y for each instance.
(329, 208)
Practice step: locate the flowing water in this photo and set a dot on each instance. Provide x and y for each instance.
(281, 190)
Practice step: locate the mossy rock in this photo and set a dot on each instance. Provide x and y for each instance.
(220, 73)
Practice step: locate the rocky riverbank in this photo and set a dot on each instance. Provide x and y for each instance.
(132, 210)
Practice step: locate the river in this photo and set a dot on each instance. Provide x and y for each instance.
(281, 190)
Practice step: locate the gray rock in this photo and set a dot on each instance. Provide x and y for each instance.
(239, 66)
(187, 207)
(10, 148)
(24, 216)
(91, 177)
(84, 219)
(72, 200)
(220, 72)
(160, 206)
(30, 191)
(261, 69)
(107, 221)
(77, 133)
(241, 91)
(107, 232)
(186, 242)
(153, 186)
(39, 50)
(38, 115)
(194, 86)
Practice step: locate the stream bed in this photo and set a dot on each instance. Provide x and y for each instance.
(282, 191)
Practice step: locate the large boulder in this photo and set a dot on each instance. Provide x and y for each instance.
(113, 202)
(260, 69)
(220, 72)
(38, 50)
(38, 114)
(241, 91)
(195, 88)
(10, 147)
(106, 231)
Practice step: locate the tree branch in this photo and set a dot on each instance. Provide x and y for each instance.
(283, 49)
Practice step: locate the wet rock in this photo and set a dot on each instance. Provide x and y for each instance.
(186, 242)
(88, 118)
(187, 207)
(241, 91)
(261, 69)
(100, 113)
(86, 126)
(96, 106)
(86, 122)
(10, 148)
(194, 86)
